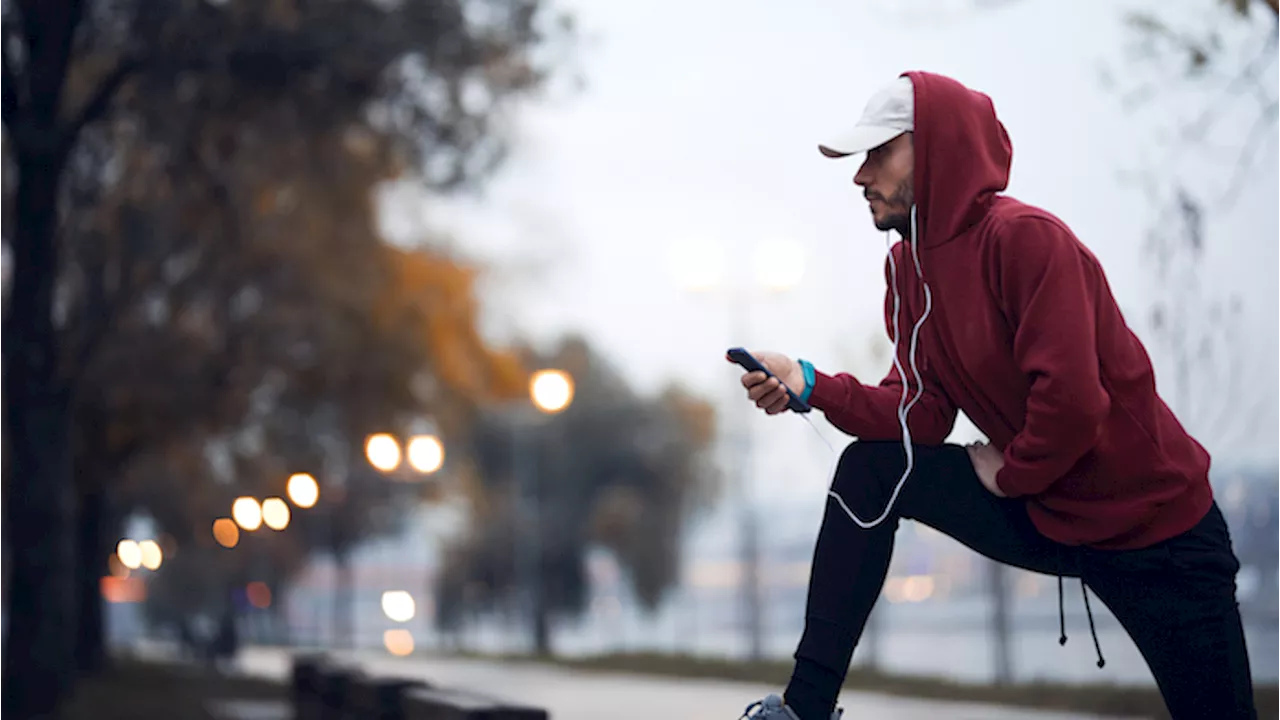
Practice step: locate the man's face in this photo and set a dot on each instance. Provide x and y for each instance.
(886, 177)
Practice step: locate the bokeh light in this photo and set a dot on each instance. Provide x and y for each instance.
(398, 605)
(399, 642)
(116, 568)
(383, 452)
(303, 490)
(426, 453)
(247, 513)
(129, 553)
(258, 594)
(226, 532)
(151, 555)
(275, 513)
(551, 390)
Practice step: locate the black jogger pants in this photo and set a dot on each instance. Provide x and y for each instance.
(1176, 599)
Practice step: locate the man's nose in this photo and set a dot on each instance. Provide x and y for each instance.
(862, 178)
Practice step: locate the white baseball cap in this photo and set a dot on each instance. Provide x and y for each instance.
(889, 113)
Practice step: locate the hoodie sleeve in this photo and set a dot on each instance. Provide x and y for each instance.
(1050, 287)
(870, 412)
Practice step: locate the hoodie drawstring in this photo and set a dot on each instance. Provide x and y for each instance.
(1062, 616)
(1088, 611)
(1097, 647)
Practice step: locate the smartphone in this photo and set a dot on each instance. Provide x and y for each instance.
(750, 364)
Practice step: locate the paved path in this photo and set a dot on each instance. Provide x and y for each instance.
(576, 695)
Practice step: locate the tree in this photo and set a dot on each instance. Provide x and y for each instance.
(384, 332)
(434, 76)
(1204, 81)
(1190, 76)
(614, 470)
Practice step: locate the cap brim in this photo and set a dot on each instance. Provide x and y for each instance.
(862, 139)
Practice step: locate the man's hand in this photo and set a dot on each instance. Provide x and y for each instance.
(766, 392)
(987, 461)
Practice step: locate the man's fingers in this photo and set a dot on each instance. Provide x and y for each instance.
(763, 389)
(779, 405)
(769, 397)
(753, 378)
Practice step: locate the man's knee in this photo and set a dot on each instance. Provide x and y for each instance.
(867, 469)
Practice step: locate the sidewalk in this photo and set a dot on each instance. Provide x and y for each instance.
(571, 695)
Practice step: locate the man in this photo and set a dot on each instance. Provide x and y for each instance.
(996, 309)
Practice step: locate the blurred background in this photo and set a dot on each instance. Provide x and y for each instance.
(399, 325)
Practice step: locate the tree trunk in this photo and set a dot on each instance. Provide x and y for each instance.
(92, 552)
(343, 607)
(38, 662)
(541, 619)
(1001, 634)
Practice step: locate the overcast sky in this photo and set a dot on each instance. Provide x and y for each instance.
(697, 128)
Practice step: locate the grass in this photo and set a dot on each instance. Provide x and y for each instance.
(136, 690)
(1099, 699)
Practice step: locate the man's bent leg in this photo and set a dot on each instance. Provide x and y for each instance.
(850, 563)
(1177, 600)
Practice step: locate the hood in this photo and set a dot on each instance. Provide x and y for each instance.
(963, 155)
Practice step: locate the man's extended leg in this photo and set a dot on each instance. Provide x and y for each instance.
(850, 563)
(1177, 600)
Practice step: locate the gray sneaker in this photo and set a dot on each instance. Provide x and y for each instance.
(773, 708)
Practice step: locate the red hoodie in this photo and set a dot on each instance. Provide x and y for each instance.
(1025, 337)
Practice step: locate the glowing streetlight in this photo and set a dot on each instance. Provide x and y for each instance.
(129, 553)
(399, 642)
(226, 532)
(258, 594)
(303, 490)
(150, 554)
(275, 513)
(551, 390)
(383, 452)
(247, 513)
(426, 453)
(398, 605)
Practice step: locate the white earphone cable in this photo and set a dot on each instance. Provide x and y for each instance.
(904, 406)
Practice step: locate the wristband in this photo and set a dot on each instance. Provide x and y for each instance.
(809, 377)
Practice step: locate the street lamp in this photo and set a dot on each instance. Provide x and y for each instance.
(150, 555)
(426, 453)
(398, 606)
(779, 266)
(551, 390)
(225, 532)
(130, 554)
(275, 513)
(247, 513)
(383, 452)
(303, 490)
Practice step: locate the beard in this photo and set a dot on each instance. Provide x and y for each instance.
(898, 206)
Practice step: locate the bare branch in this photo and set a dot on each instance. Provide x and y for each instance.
(1263, 127)
(97, 103)
(1196, 129)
